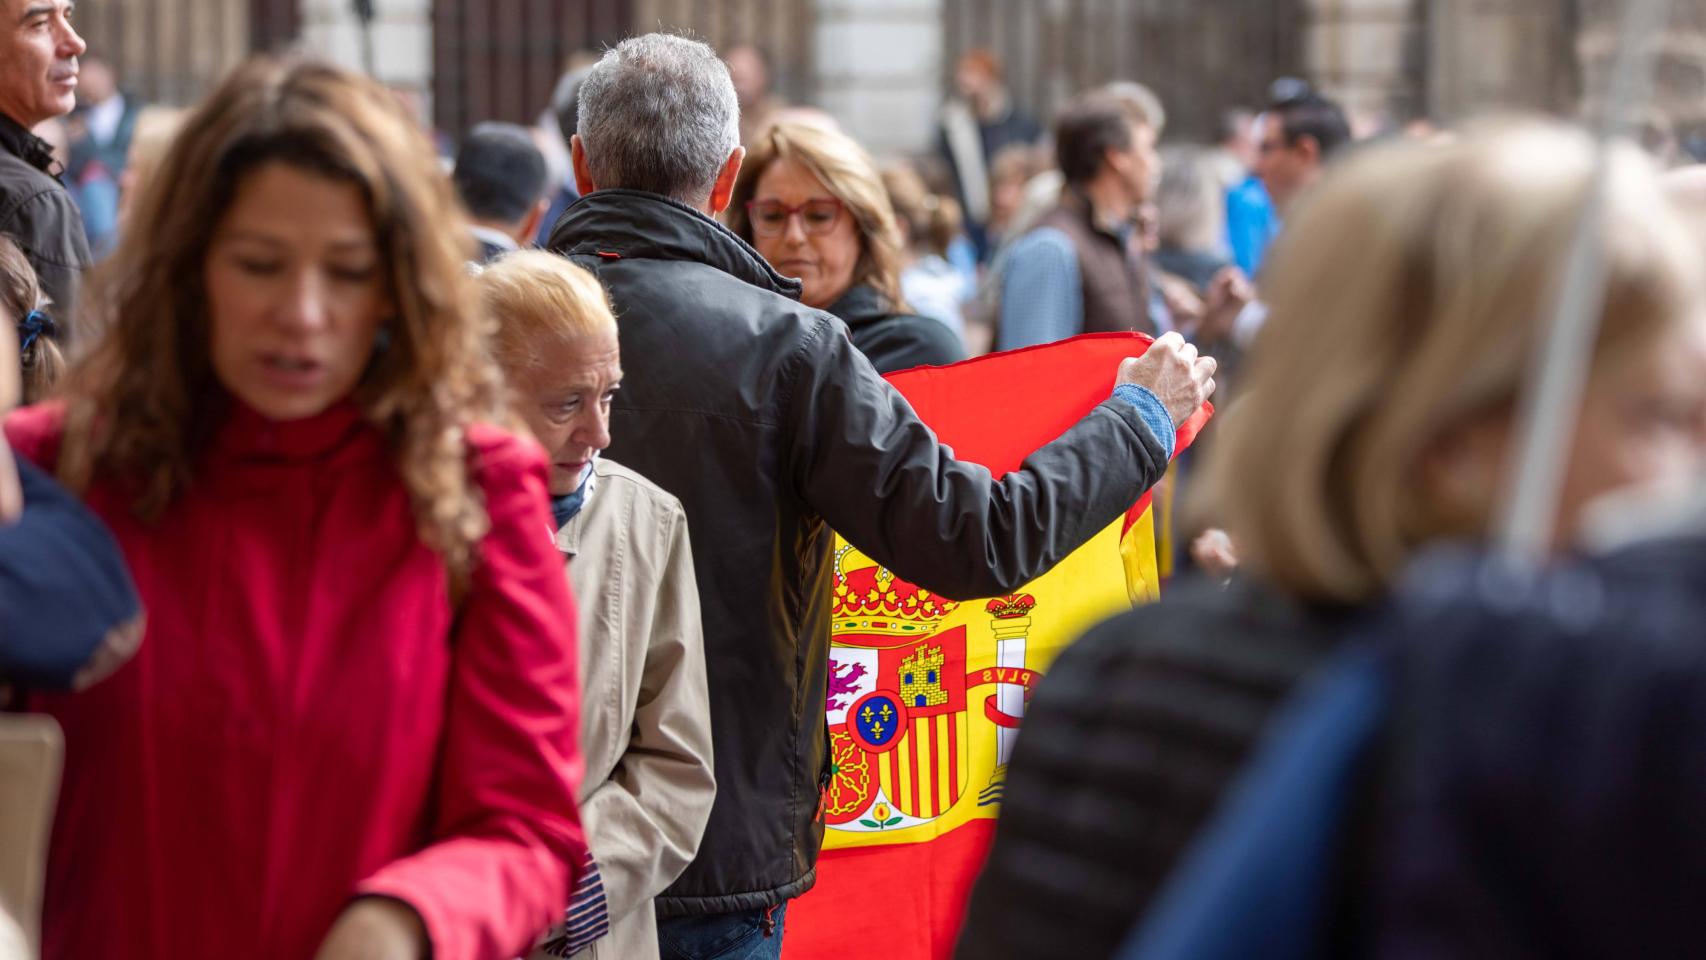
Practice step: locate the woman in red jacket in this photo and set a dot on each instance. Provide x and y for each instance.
(350, 730)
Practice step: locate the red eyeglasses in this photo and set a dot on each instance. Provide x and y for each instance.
(770, 218)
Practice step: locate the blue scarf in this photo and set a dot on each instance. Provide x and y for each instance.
(564, 508)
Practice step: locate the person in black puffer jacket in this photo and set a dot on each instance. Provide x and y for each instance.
(1330, 483)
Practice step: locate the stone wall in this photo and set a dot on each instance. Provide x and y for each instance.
(1370, 55)
(402, 42)
(879, 69)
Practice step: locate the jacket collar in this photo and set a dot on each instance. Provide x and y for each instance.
(861, 304)
(17, 140)
(635, 225)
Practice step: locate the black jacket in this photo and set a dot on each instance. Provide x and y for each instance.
(36, 211)
(759, 414)
(1133, 735)
(895, 341)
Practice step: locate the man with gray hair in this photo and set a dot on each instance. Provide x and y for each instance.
(761, 417)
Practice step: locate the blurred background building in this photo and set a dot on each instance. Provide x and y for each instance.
(880, 66)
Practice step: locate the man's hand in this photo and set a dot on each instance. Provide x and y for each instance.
(1214, 553)
(1227, 296)
(375, 928)
(1171, 370)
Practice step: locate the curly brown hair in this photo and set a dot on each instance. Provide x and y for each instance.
(145, 400)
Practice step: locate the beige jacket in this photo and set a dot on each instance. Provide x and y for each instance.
(645, 713)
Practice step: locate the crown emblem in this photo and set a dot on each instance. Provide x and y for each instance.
(1011, 606)
(870, 600)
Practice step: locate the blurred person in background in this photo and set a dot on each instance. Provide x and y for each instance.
(70, 617)
(1235, 155)
(101, 131)
(68, 606)
(811, 202)
(1081, 269)
(929, 225)
(750, 70)
(1295, 139)
(291, 424)
(645, 724)
(976, 122)
(155, 128)
(38, 84)
(1330, 484)
(500, 179)
(564, 113)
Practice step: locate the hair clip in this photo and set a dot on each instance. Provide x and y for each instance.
(34, 324)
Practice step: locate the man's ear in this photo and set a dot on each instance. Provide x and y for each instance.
(528, 231)
(724, 189)
(583, 172)
(1310, 148)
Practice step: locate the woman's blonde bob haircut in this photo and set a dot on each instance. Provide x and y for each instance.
(143, 404)
(1405, 300)
(535, 298)
(846, 171)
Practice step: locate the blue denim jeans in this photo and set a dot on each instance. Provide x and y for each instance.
(748, 935)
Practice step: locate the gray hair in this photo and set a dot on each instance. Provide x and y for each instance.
(658, 113)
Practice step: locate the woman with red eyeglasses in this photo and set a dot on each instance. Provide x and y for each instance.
(812, 203)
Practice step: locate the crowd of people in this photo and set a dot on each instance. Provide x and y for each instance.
(429, 556)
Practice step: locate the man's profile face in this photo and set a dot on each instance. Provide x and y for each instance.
(1284, 168)
(38, 59)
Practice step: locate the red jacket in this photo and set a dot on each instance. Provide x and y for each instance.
(309, 719)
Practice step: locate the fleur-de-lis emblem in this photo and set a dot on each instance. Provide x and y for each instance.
(877, 730)
(886, 712)
(866, 714)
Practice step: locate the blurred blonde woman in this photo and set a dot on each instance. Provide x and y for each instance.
(350, 729)
(645, 722)
(812, 203)
(1407, 299)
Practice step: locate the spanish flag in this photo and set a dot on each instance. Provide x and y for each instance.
(926, 693)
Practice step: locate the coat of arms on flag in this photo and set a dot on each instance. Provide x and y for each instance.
(926, 693)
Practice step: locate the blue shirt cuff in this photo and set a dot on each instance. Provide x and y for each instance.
(1152, 412)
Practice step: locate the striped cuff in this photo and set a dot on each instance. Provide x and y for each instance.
(587, 918)
(1152, 412)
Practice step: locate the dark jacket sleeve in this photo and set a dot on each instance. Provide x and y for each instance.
(865, 462)
(64, 586)
(49, 230)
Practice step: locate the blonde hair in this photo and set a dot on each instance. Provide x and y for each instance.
(1405, 299)
(152, 137)
(932, 220)
(846, 171)
(142, 405)
(534, 297)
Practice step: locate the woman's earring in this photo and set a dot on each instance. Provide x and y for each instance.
(382, 341)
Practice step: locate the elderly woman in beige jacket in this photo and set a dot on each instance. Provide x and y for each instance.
(645, 721)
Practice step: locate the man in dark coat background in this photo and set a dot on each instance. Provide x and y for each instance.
(38, 81)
